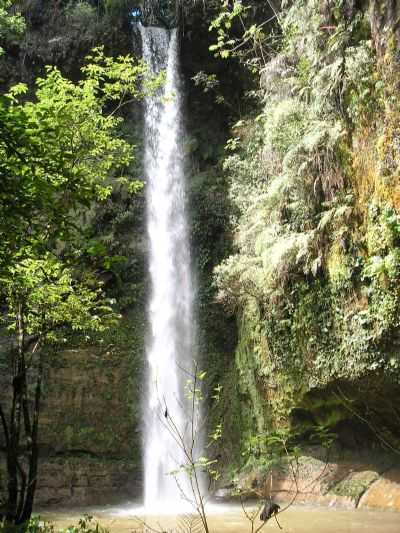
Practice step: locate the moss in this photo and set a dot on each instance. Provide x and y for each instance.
(248, 358)
(354, 485)
(339, 268)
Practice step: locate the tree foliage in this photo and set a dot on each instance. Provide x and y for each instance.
(58, 151)
(61, 154)
(11, 24)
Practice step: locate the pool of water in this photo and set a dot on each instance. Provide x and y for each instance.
(224, 518)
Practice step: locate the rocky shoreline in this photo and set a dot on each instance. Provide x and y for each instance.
(348, 484)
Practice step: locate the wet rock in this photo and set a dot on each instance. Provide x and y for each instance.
(81, 481)
(355, 484)
(223, 493)
(384, 493)
(345, 482)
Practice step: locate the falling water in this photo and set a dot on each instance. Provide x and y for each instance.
(170, 347)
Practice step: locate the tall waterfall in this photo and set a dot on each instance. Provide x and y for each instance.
(170, 347)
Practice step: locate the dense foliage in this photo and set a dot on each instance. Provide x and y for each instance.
(315, 276)
(62, 154)
(300, 213)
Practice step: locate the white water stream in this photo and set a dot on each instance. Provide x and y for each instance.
(170, 347)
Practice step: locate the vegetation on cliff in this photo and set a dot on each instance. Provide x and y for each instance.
(314, 186)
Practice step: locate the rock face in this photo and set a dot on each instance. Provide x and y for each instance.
(343, 482)
(384, 493)
(87, 404)
(88, 436)
(84, 481)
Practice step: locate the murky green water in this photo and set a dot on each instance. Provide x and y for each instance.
(230, 518)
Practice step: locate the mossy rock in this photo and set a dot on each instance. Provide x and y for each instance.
(355, 484)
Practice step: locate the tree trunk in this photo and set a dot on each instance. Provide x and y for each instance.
(22, 486)
(34, 455)
(12, 457)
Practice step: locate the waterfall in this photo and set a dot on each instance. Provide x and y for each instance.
(170, 314)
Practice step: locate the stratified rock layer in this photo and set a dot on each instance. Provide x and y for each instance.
(88, 437)
(347, 482)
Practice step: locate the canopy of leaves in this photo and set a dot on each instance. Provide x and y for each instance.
(301, 257)
(62, 154)
(59, 151)
(51, 299)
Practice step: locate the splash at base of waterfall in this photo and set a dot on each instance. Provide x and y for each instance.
(229, 518)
